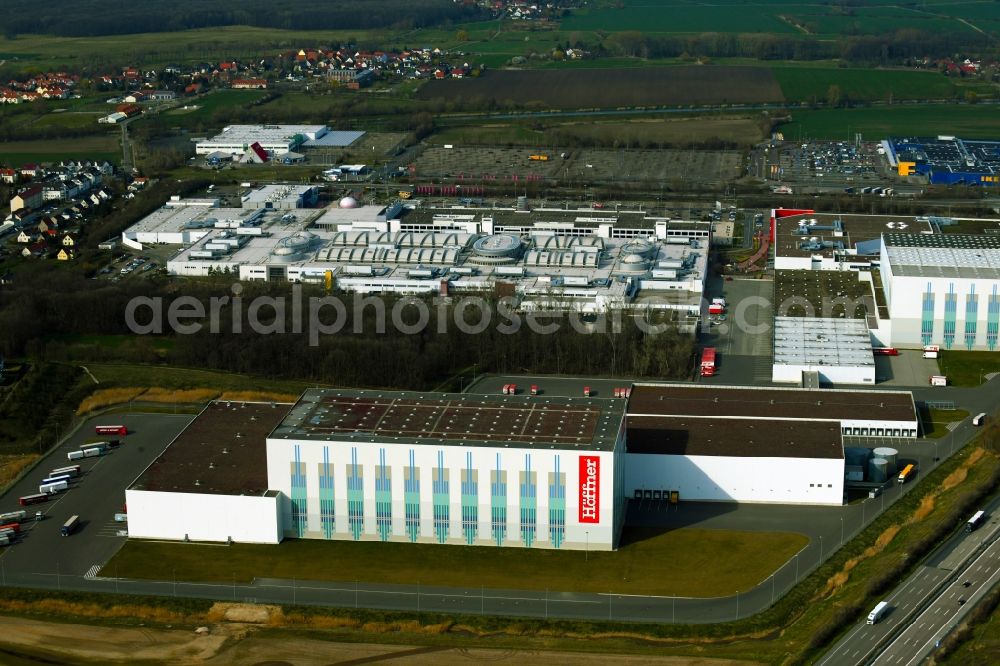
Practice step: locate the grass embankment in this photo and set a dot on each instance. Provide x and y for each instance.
(703, 563)
(794, 631)
(968, 368)
(116, 396)
(12, 464)
(126, 375)
(936, 421)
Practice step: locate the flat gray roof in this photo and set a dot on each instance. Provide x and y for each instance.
(835, 233)
(222, 451)
(770, 403)
(741, 438)
(822, 341)
(335, 139)
(410, 417)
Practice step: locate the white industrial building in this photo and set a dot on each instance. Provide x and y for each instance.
(275, 139)
(838, 349)
(590, 261)
(942, 289)
(512, 470)
(518, 471)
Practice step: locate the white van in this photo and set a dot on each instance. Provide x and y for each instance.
(979, 419)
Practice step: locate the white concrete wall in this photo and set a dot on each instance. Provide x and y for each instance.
(861, 428)
(733, 479)
(203, 517)
(827, 373)
(601, 535)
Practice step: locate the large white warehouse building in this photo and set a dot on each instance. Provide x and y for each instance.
(512, 470)
(943, 289)
(393, 466)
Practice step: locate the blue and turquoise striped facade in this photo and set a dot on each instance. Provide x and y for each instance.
(484, 496)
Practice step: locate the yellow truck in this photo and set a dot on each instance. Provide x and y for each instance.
(539, 158)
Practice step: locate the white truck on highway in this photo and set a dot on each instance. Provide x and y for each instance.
(878, 612)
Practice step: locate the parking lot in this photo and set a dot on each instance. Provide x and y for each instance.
(743, 339)
(826, 166)
(96, 495)
(584, 165)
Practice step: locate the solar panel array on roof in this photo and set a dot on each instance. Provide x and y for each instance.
(944, 255)
(455, 419)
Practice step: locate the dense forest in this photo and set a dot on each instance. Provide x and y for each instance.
(44, 319)
(86, 18)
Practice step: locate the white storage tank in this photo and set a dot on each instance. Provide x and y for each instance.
(878, 470)
(889, 454)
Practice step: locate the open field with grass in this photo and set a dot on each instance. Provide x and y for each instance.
(703, 563)
(620, 88)
(54, 150)
(48, 52)
(968, 368)
(128, 375)
(808, 83)
(795, 17)
(971, 121)
(935, 421)
(204, 108)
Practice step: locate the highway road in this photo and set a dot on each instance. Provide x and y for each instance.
(930, 603)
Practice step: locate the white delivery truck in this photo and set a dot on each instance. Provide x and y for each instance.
(878, 612)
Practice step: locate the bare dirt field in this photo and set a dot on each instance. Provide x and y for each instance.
(618, 88)
(237, 643)
(482, 164)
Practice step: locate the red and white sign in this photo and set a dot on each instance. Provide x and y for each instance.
(590, 489)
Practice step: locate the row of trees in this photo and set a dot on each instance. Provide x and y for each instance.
(45, 319)
(884, 49)
(86, 18)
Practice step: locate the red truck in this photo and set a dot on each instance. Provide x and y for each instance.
(111, 430)
(708, 362)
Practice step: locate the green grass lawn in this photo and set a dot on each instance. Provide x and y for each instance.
(685, 562)
(968, 368)
(805, 83)
(936, 421)
(123, 374)
(971, 121)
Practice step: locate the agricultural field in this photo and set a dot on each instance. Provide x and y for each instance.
(580, 166)
(104, 148)
(809, 19)
(810, 83)
(621, 88)
(970, 121)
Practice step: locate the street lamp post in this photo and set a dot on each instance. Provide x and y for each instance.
(841, 530)
(821, 549)
(586, 556)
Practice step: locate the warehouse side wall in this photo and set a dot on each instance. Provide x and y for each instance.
(466, 495)
(738, 479)
(203, 517)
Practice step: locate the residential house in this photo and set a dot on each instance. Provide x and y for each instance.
(64, 255)
(8, 176)
(162, 96)
(24, 237)
(249, 84)
(69, 241)
(28, 198)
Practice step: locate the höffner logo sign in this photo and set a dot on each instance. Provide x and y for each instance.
(590, 489)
